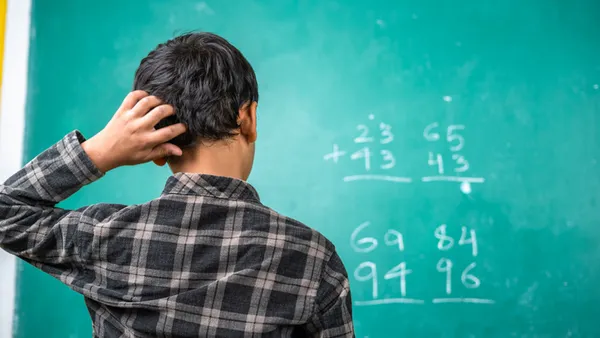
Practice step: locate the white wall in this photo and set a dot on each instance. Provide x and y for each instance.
(12, 124)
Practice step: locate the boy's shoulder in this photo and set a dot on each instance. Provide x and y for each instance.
(295, 237)
(301, 231)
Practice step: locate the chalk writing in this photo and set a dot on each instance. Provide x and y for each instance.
(371, 152)
(374, 152)
(365, 240)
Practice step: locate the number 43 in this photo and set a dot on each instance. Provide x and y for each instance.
(387, 157)
(437, 160)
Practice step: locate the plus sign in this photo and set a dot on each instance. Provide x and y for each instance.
(335, 154)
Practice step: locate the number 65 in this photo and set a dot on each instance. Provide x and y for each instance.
(452, 135)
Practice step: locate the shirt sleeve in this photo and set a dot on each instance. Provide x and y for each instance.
(333, 302)
(32, 227)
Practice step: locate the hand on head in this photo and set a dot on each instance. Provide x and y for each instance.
(130, 137)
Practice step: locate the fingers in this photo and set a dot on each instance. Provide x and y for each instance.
(156, 115)
(143, 106)
(166, 134)
(131, 99)
(164, 150)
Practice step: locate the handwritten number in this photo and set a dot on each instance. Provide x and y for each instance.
(386, 132)
(371, 275)
(460, 160)
(445, 265)
(363, 137)
(359, 245)
(472, 239)
(428, 133)
(469, 280)
(389, 158)
(393, 237)
(401, 271)
(452, 136)
(363, 153)
(437, 160)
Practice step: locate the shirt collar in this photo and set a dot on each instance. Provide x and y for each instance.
(209, 185)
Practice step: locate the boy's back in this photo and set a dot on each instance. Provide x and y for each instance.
(210, 260)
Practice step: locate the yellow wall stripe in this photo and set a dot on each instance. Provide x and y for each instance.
(2, 29)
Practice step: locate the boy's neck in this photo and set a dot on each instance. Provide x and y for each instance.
(224, 158)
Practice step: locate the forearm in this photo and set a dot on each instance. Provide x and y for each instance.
(28, 198)
(51, 177)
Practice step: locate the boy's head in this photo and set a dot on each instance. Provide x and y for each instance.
(210, 84)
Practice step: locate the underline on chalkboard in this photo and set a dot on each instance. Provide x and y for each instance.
(396, 179)
(463, 300)
(389, 301)
(453, 179)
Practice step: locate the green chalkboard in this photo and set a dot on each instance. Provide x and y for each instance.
(449, 149)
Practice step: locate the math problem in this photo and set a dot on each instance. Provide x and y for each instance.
(373, 154)
(371, 275)
(373, 149)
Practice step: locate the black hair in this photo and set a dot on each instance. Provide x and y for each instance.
(206, 80)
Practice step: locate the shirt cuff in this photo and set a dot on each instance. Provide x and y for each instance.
(70, 169)
(78, 160)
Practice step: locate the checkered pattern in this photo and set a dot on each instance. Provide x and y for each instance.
(205, 259)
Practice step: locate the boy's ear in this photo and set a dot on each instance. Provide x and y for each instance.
(160, 162)
(247, 121)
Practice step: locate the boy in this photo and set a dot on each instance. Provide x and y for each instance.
(206, 258)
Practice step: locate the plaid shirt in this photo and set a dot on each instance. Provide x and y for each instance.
(206, 258)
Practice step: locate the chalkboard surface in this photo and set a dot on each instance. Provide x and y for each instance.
(449, 149)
